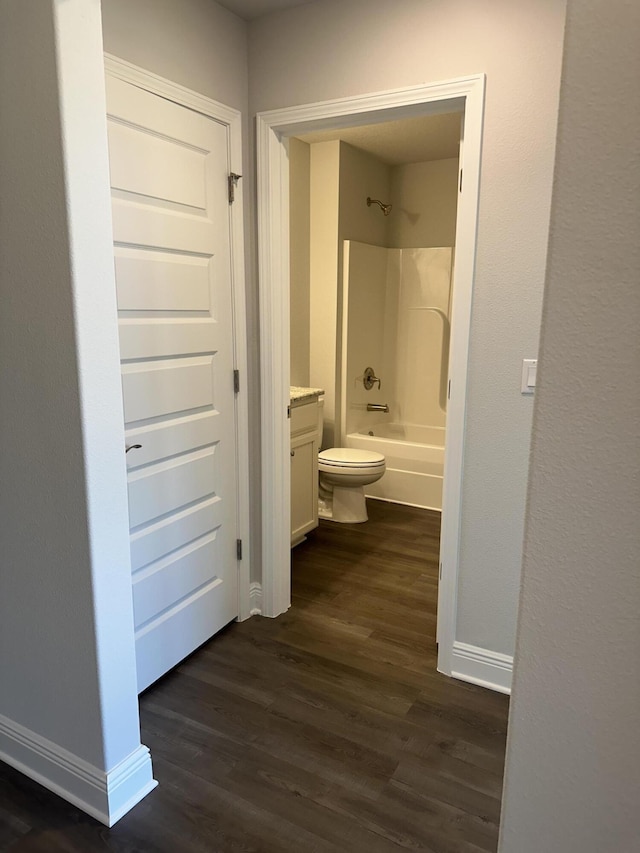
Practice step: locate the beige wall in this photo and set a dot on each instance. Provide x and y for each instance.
(363, 175)
(518, 45)
(425, 200)
(574, 745)
(323, 258)
(299, 260)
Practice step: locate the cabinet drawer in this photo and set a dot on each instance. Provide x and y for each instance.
(304, 418)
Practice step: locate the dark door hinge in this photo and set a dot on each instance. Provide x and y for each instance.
(440, 571)
(236, 381)
(232, 184)
(239, 549)
(288, 411)
(460, 187)
(449, 391)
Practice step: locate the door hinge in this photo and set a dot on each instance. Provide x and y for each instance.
(440, 571)
(460, 187)
(239, 549)
(236, 381)
(232, 181)
(288, 411)
(449, 390)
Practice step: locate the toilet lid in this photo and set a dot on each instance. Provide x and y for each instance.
(345, 456)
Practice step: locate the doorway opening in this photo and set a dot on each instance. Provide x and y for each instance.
(274, 130)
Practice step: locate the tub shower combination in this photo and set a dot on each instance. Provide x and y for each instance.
(395, 348)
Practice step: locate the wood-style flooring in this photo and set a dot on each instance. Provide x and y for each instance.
(327, 729)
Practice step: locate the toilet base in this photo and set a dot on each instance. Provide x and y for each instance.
(346, 506)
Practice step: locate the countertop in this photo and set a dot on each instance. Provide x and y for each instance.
(299, 395)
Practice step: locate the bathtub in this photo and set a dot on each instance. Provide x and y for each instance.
(415, 462)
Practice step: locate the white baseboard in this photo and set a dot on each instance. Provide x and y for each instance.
(255, 597)
(482, 666)
(106, 796)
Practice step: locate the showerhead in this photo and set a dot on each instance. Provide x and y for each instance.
(385, 208)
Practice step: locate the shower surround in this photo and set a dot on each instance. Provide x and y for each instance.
(396, 315)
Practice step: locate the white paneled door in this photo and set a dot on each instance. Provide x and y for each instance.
(169, 169)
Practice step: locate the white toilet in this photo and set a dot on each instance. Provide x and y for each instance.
(343, 473)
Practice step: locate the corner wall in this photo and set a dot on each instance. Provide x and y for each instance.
(341, 178)
(68, 698)
(573, 753)
(324, 198)
(299, 264)
(425, 202)
(518, 45)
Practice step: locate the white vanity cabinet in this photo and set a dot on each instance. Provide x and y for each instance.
(304, 466)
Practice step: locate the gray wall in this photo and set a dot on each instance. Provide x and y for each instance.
(572, 776)
(196, 43)
(337, 48)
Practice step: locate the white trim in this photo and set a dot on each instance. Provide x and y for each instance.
(482, 666)
(273, 261)
(463, 280)
(106, 796)
(232, 118)
(151, 82)
(255, 594)
(273, 128)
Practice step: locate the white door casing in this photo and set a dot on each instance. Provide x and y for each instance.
(273, 130)
(176, 257)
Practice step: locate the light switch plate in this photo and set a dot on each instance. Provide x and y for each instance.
(529, 370)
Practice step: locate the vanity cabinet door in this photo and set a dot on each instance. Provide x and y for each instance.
(304, 486)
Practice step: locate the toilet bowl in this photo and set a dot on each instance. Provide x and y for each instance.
(344, 471)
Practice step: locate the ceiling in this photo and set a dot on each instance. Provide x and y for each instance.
(412, 140)
(249, 9)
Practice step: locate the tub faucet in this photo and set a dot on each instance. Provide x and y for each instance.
(377, 407)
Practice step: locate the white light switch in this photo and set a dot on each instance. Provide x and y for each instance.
(529, 369)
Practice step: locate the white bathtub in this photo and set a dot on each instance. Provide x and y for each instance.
(415, 462)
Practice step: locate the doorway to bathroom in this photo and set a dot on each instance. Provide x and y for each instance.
(461, 97)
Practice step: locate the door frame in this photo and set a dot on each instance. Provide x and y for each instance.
(232, 118)
(273, 130)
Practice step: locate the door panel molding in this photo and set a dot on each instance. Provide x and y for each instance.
(120, 70)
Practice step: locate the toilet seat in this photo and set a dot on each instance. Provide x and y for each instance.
(349, 457)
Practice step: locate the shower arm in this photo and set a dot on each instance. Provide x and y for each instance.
(385, 208)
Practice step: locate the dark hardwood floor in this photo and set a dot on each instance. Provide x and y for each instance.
(327, 729)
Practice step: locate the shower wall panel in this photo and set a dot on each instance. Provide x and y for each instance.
(423, 335)
(396, 309)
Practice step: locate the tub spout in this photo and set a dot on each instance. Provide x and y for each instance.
(377, 407)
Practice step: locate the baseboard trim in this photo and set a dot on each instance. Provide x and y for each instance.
(255, 598)
(482, 666)
(106, 796)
